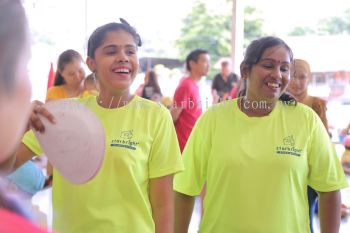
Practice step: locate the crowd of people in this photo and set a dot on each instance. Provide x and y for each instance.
(262, 152)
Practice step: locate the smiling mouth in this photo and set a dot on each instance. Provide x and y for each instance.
(121, 71)
(274, 85)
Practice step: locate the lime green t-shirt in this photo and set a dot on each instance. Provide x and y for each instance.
(141, 144)
(257, 169)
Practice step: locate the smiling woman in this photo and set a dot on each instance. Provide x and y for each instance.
(239, 150)
(141, 155)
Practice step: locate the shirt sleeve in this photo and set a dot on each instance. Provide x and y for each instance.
(195, 156)
(29, 139)
(165, 155)
(180, 96)
(325, 171)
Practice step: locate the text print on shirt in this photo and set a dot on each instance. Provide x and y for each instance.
(125, 140)
(288, 147)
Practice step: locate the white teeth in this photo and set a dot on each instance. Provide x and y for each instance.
(274, 85)
(121, 71)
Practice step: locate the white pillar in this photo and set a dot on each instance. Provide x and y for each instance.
(237, 34)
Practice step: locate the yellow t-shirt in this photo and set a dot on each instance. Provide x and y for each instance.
(141, 144)
(56, 92)
(258, 168)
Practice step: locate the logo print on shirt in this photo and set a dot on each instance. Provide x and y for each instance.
(125, 140)
(288, 147)
(289, 141)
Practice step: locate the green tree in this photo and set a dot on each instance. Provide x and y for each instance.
(204, 30)
(212, 32)
(253, 25)
(301, 31)
(332, 26)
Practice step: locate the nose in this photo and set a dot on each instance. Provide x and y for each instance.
(122, 57)
(276, 73)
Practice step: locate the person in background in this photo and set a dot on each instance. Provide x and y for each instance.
(257, 154)
(69, 83)
(91, 86)
(15, 107)
(298, 87)
(187, 107)
(141, 154)
(151, 89)
(69, 76)
(223, 83)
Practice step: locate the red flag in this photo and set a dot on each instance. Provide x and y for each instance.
(51, 77)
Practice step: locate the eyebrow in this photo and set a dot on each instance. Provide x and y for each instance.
(130, 46)
(273, 60)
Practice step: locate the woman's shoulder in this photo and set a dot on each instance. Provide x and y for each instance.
(55, 88)
(148, 105)
(298, 109)
(317, 101)
(56, 92)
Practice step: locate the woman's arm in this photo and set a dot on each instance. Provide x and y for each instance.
(22, 155)
(329, 211)
(183, 211)
(162, 202)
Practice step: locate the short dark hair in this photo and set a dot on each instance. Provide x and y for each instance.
(253, 55)
(13, 38)
(193, 56)
(66, 57)
(225, 63)
(97, 37)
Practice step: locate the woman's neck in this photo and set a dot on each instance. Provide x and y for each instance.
(255, 108)
(73, 91)
(301, 96)
(114, 100)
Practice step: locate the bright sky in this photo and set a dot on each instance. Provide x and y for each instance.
(281, 16)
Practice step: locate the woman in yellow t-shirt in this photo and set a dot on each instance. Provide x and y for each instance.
(257, 154)
(132, 191)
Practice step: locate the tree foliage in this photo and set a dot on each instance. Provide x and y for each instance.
(212, 32)
(207, 31)
(335, 25)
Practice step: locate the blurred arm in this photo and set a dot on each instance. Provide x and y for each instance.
(22, 155)
(329, 211)
(183, 211)
(162, 202)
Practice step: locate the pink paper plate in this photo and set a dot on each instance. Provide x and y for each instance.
(75, 145)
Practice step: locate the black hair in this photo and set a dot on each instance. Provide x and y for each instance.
(66, 57)
(13, 39)
(193, 56)
(97, 37)
(152, 82)
(253, 55)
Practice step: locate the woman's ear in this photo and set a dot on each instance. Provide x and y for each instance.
(244, 71)
(91, 64)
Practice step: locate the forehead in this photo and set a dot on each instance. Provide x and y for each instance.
(74, 64)
(118, 38)
(301, 67)
(277, 53)
(203, 57)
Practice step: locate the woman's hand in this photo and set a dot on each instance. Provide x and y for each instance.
(34, 119)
